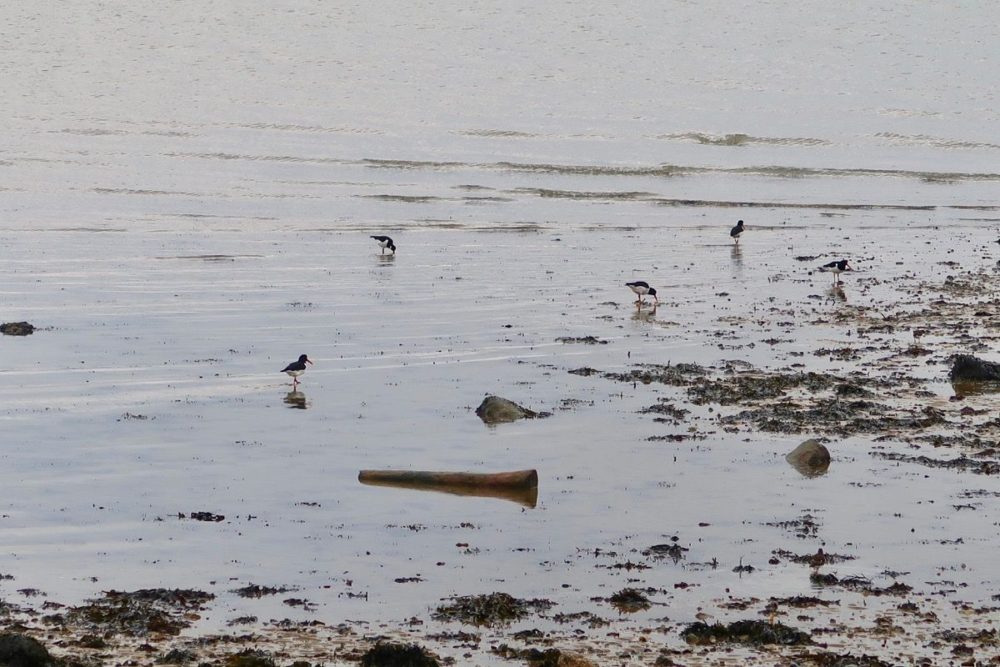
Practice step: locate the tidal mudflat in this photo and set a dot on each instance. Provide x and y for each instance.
(160, 470)
(187, 197)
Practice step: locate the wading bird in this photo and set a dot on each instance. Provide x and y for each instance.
(836, 268)
(385, 242)
(642, 288)
(296, 368)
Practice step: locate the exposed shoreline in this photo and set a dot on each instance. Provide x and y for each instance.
(881, 393)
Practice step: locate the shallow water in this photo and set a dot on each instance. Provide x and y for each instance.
(187, 196)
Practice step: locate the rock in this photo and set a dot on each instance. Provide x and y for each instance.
(810, 458)
(967, 368)
(23, 651)
(17, 328)
(496, 410)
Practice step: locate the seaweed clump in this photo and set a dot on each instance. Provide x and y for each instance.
(859, 584)
(385, 654)
(139, 613)
(250, 658)
(843, 418)
(491, 609)
(828, 659)
(630, 600)
(676, 375)
(550, 657)
(753, 633)
(744, 388)
(17, 328)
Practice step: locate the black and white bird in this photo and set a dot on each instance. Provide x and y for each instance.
(385, 242)
(296, 368)
(736, 231)
(642, 288)
(836, 268)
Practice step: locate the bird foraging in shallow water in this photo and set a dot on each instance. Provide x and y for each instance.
(385, 242)
(642, 288)
(836, 268)
(296, 368)
(736, 231)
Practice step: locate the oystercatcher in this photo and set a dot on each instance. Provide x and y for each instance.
(296, 368)
(385, 242)
(736, 231)
(836, 268)
(642, 288)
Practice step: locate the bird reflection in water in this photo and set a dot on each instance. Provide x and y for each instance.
(296, 399)
(837, 294)
(386, 259)
(737, 254)
(644, 314)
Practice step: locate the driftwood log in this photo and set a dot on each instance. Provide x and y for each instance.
(520, 486)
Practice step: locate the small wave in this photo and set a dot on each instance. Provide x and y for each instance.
(101, 132)
(515, 227)
(311, 129)
(166, 133)
(574, 194)
(413, 164)
(715, 203)
(212, 258)
(136, 191)
(740, 139)
(408, 199)
(936, 142)
(594, 170)
(656, 171)
(92, 132)
(210, 216)
(257, 158)
(908, 113)
(669, 170)
(803, 172)
(86, 229)
(486, 200)
(503, 134)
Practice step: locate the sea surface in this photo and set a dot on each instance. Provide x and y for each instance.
(186, 195)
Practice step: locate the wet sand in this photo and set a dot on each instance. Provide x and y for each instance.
(151, 392)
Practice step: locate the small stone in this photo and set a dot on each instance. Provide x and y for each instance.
(810, 458)
(496, 410)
